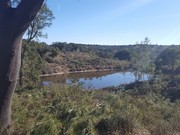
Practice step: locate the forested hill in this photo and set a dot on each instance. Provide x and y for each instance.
(70, 57)
(109, 51)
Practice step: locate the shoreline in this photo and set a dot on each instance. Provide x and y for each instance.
(71, 72)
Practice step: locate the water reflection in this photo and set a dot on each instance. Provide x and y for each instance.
(96, 80)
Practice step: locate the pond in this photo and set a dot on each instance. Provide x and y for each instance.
(95, 80)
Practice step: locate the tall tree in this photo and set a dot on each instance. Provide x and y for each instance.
(35, 30)
(146, 41)
(42, 20)
(13, 24)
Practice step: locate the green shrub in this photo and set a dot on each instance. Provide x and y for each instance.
(69, 110)
(116, 125)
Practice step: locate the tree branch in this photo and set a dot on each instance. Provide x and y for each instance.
(30, 32)
(26, 12)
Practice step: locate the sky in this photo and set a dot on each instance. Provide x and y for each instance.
(114, 22)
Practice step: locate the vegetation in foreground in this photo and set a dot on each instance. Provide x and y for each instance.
(69, 110)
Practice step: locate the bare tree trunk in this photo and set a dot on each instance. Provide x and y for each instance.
(13, 23)
(10, 53)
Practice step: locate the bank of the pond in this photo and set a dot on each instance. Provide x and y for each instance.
(73, 72)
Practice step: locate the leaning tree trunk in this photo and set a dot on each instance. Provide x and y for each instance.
(10, 50)
(13, 23)
(10, 53)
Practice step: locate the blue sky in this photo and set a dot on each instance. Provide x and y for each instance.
(115, 22)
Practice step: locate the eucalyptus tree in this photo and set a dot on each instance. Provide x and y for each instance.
(146, 41)
(14, 21)
(42, 20)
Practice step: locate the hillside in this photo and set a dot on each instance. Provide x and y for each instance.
(64, 57)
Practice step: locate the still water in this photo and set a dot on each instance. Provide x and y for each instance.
(95, 80)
